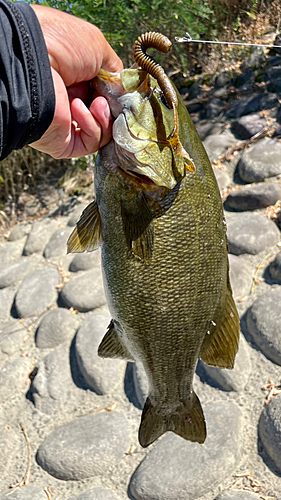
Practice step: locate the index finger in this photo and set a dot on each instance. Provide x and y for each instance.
(111, 61)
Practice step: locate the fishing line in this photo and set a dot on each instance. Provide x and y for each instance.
(189, 39)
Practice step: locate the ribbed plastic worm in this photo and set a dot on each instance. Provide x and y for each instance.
(147, 63)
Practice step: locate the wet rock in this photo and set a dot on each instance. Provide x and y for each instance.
(26, 493)
(101, 374)
(209, 128)
(6, 301)
(238, 495)
(52, 382)
(216, 145)
(196, 90)
(275, 268)
(260, 161)
(270, 430)
(85, 447)
(181, 470)
(85, 291)
(95, 494)
(275, 85)
(223, 79)
(244, 78)
(248, 125)
(57, 246)
(12, 334)
(253, 197)
(15, 272)
(85, 261)
(37, 292)
(57, 326)
(232, 380)
(251, 233)
(223, 178)
(264, 324)
(20, 231)
(241, 276)
(13, 377)
(11, 251)
(39, 236)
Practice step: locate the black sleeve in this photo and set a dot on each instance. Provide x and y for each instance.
(27, 94)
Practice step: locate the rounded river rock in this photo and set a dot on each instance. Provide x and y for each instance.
(85, 447)
(176, 469)
(85, 291)
(270, 429)
(37, 292)
(264, 324)
(251, 233)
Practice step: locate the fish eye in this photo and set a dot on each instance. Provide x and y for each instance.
(163, 99)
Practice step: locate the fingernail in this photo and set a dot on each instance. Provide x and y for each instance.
(107, 112)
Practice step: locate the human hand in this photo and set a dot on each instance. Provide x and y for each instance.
(77, 51)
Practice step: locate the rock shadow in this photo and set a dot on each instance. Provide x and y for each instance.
(264, 455)
(129, 386)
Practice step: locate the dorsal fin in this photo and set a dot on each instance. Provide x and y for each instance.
(112, 347)
(222, 347)
(87, 234)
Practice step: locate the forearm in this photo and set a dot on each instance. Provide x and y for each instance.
(26, 84)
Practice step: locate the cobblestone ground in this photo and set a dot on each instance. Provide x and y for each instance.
(69, 420)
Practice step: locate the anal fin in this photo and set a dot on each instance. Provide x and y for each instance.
(112, 347)
(186, 421)
(87, 234)
(220, 350)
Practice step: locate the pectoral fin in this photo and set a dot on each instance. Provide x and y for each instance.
(87, 234)
(221, 348)
(139, 232)
(112, 347)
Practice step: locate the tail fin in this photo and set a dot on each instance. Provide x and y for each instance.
(187, 423)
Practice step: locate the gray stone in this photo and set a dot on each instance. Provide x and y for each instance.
(85, 291)
(12, 335)
(39, 236)
(26, 493)
(10, 251)
(57, 246)
(216, 145)
(6, 301)
(37, 292)
(57, 326)
(253, 197)
(238, 495)
(264, 324)
(244, 78)
(15, 272)
(52, 382)
(85, 447)
(85, 261)
(244, 106)
(270, 429)
(251, 233)
(95, 494)
(140, 383)
(223, 178)
(275, 268)
(13, 377)
(275, 85)
(223, 79)
(76, 214)
(249, 125)
(20, 231)
(209, 128)
(232, 380)
(241, 276)
(213, 108)
(101, 374)
(180, 470)
(260, 161)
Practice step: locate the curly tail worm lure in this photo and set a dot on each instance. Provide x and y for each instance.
(148, 64)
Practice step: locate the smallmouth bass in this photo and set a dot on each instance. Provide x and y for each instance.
(159, 218)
